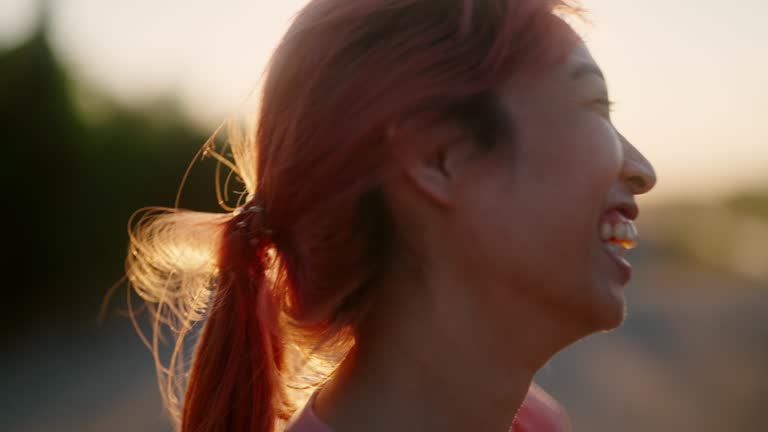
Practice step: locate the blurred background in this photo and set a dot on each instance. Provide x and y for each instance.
(103, 103)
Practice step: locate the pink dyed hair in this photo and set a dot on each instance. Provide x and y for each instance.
(296, 277)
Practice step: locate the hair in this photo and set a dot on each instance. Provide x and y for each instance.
(280, 285)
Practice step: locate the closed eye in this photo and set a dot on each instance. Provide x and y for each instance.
(605, 105)
(605, 102)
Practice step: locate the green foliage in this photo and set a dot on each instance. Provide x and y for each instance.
(72, 183)
(753, 203)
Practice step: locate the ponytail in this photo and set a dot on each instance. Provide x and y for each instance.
(196, 267)
(233, 384)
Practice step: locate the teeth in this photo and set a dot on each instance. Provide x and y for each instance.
(606, 231)
(633, 232)
(620, 231)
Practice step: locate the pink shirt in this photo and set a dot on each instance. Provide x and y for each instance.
(305, 420)
(538, 413)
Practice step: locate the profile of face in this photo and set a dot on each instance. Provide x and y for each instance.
(522, 220)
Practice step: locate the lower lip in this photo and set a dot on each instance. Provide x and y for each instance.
(624, 266)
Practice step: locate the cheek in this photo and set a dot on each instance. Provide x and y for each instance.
(567, 173)
(582, 160)
(536, 215)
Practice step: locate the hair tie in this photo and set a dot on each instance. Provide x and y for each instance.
(250, 220)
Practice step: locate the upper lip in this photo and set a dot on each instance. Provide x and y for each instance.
(627, 208)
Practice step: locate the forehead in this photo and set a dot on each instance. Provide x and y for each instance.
(578, 63)
(579, 55)
(561, 80)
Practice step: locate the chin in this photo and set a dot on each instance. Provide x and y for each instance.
(605, 310)
(610, 313)
(603, 314)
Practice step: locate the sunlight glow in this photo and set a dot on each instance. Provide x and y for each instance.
(689, 76)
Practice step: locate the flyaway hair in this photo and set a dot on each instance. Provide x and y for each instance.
(270, 297)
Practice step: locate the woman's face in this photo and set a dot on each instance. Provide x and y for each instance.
(532, 208)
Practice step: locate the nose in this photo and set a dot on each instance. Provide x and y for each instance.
(637, 171)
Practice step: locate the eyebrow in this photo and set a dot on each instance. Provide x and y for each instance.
(583, 69)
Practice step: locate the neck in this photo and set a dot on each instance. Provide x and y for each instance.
(426, 359)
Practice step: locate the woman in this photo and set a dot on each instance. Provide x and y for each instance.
(437, 203)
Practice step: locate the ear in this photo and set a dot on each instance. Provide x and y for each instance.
(432, 154)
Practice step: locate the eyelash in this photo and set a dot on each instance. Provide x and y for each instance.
(605, 102)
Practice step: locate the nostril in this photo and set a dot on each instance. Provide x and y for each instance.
(638, 182)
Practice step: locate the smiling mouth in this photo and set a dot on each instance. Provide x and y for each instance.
(619, 235)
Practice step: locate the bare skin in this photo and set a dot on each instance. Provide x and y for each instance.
(501, 264)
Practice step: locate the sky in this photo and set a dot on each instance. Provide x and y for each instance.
(690, 77)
